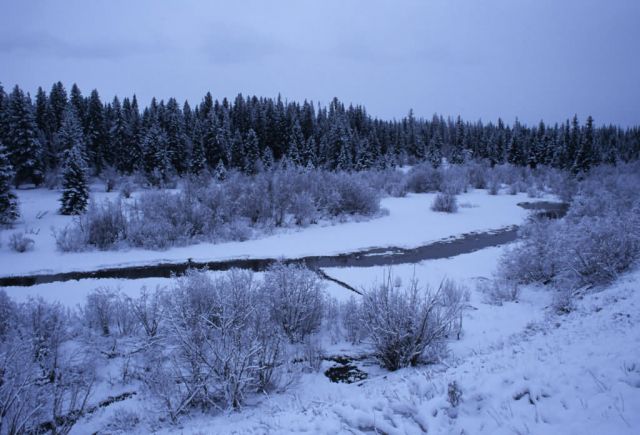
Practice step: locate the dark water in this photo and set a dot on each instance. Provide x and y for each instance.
(446, 248)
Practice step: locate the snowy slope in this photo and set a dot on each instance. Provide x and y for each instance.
(572, 374)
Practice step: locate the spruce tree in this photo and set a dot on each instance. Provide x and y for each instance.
(96, 133)
(75, 193)
(585, 154)
(198, 159)
(8, 201)
(25, 148)
(157, 164)
(220, 172)
(252, 153)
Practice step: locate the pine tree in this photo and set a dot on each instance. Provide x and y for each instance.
(220, 172)
(58, 104)
(176, 137)
(118, 137)
(8, 202)
(157, 164)
(296, 144)
(585, 155)
(70, 133)
(75, 193)
(434, 151)
(25, 149)
(198, 159)
(252, 153)
(96, 135)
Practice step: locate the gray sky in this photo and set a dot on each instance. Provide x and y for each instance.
(478, 58)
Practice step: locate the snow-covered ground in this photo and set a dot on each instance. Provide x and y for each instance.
(409, 223)
(521, 368)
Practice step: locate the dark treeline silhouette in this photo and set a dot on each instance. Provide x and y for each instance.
(251, 133)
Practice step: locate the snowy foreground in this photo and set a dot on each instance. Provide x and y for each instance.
(520, 367)
(409, 223)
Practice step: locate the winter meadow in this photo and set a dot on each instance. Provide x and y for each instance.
(219, 262)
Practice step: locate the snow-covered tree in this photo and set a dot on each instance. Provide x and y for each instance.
(75, 193)
(8, 201)
(25, 148)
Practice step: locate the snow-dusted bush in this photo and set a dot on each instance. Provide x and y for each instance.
(100, 309)
(148, 310)
(455, 179)
(7, 314)
(445, 202)
(598, 239)
(126, 189)
(499, 290)
(404, 324)
(295, 298)
(355, 197)
(350, 316)
(424, 178)
(104, 225)
(219, 344)
(45, 382)
(70, 238)
(19, 242)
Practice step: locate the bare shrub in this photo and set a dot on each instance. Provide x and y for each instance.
(445, 202)
(295, 299)
(499, 290)
(403, 324)
(19, 242)
(218, 346)
(424, 178)
(100, 309)
(70, 238)
(148, 310)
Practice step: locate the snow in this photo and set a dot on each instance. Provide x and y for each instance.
(409, 223)
(521, 367)
(572, 374)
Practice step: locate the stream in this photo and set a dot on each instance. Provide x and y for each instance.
(387, 256)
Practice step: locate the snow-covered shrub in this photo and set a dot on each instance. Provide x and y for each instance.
(598, 239)
(403, 324)
(19, 242)
(295, 299)
(445, 202)
(104, 225)
(499, 290)
(356, 198)
(100, 309)
(350, 316)
(424, 178)
(303, 209)
(219, 344)
(7, 314)
(477, 175)
(537, 255)
(455, 179)
(71, 238)
(493, 185)
(389, 182)
(126, 189)
(148, 310)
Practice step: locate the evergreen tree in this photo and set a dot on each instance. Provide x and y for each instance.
(75, 193)
(70, 134)
(118, 137)
(8, 201)
(58, 104)
(25, 149)
(96, 135)
(220, 172)
(237, 151)
(157, 164)
(434, 151)
(252, 153)
(198, 159)
(296, 144)
(267, 158)
(176, 137)
(585, 154)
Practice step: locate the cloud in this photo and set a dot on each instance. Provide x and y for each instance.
(228, 45)
(48, 44)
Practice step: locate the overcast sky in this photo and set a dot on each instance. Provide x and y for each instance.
(478, 58)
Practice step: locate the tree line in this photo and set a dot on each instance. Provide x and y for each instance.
(249, 134)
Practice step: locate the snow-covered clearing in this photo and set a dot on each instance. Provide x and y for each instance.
(409, 223)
